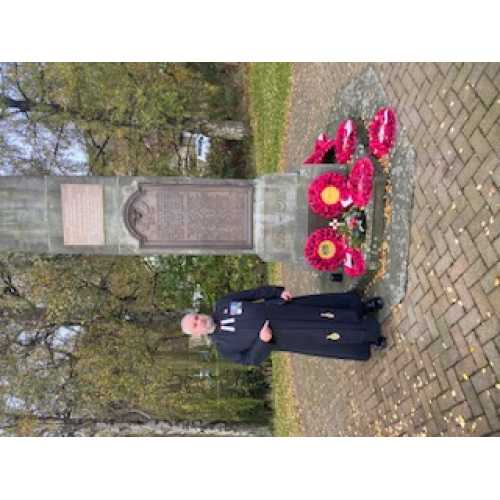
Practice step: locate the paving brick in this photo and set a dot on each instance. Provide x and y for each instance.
(496, 245)
(464, 295)
(493, 355)
(446, 401)
(489, 169)
(453, 242)
(483, 379)
(458, 268)
(492, 70)
(493, 138)
(475, 272)
(468, 246)
(440, 307)
(490, 410)
(476, 350)
(462, 147)
(488, 329)
(454, 313)
(486, 91)
(470, 321)
(486, 249)
(439, 242)
(485, 307)
(443, 263)
(460, 341)
(450, 357)
(477, 70)
(467, 173)
(462, 75)
(479, 427)
(479, 223)
(494, 298)
(453, 103)
(480, 145)
(431, 72)
(474, 118)
(466, 368)
(456, 389)
(489, 279)
(461, 221)
(489, 119)
(474, 197)
(472, 399)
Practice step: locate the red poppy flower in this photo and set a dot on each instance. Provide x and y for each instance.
(360, 182)
(354, 262)
(325, 249)
(325, 194)
(382, 132)
(345, 141)
(322, 147)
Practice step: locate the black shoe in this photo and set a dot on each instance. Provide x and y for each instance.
(380, 344)
(373, 305)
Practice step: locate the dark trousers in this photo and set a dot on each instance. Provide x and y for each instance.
(348, 300)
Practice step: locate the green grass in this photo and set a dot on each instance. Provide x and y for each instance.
(268, 87)
(268, 90)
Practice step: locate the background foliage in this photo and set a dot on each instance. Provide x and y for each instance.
(88, 338)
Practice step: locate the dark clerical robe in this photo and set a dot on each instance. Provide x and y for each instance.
(331, 325)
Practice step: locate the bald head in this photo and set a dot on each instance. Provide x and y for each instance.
(196, 324)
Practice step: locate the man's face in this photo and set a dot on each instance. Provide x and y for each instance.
(198, 324)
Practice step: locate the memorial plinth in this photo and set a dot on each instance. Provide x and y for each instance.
(267, 216)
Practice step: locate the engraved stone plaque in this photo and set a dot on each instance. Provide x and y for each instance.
(191, 216)
(83, 214)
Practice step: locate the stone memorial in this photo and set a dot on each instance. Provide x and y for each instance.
(268, 216)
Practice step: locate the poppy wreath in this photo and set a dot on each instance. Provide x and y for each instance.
(325, 249)
(346, 139)
(325, 194)
(360, 182)
(354, 262)
(382, 132)
(324, 146)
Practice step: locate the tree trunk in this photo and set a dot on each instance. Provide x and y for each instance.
(229, 130)
(59, 427)
(226, 129)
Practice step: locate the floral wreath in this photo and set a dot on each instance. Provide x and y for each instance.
(322, 148)
(354, 262)
(360, 182)
(325, 249)
(345, 141)
(326, 193)
(382, 132)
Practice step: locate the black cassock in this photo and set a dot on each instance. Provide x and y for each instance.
(330, 325)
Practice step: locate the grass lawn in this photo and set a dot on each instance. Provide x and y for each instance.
(268, 88)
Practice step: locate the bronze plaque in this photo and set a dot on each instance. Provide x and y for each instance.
(191, 216)
(83, 214)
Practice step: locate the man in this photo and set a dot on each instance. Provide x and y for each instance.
(332, 325)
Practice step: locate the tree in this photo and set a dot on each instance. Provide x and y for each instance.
(118, 111)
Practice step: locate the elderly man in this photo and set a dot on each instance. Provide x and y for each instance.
(331, 325)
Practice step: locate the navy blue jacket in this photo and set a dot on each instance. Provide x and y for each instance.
(329, 325)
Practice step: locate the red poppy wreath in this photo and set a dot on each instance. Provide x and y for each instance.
(345, 141)
(360, 182)
(382, 132)
(322, 147)
(325, 249)
(354, 262)
(325, 194)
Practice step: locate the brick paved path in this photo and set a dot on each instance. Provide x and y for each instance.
(441, 372)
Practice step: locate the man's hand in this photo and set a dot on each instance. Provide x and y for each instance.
(266, 334)
(286, 295)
